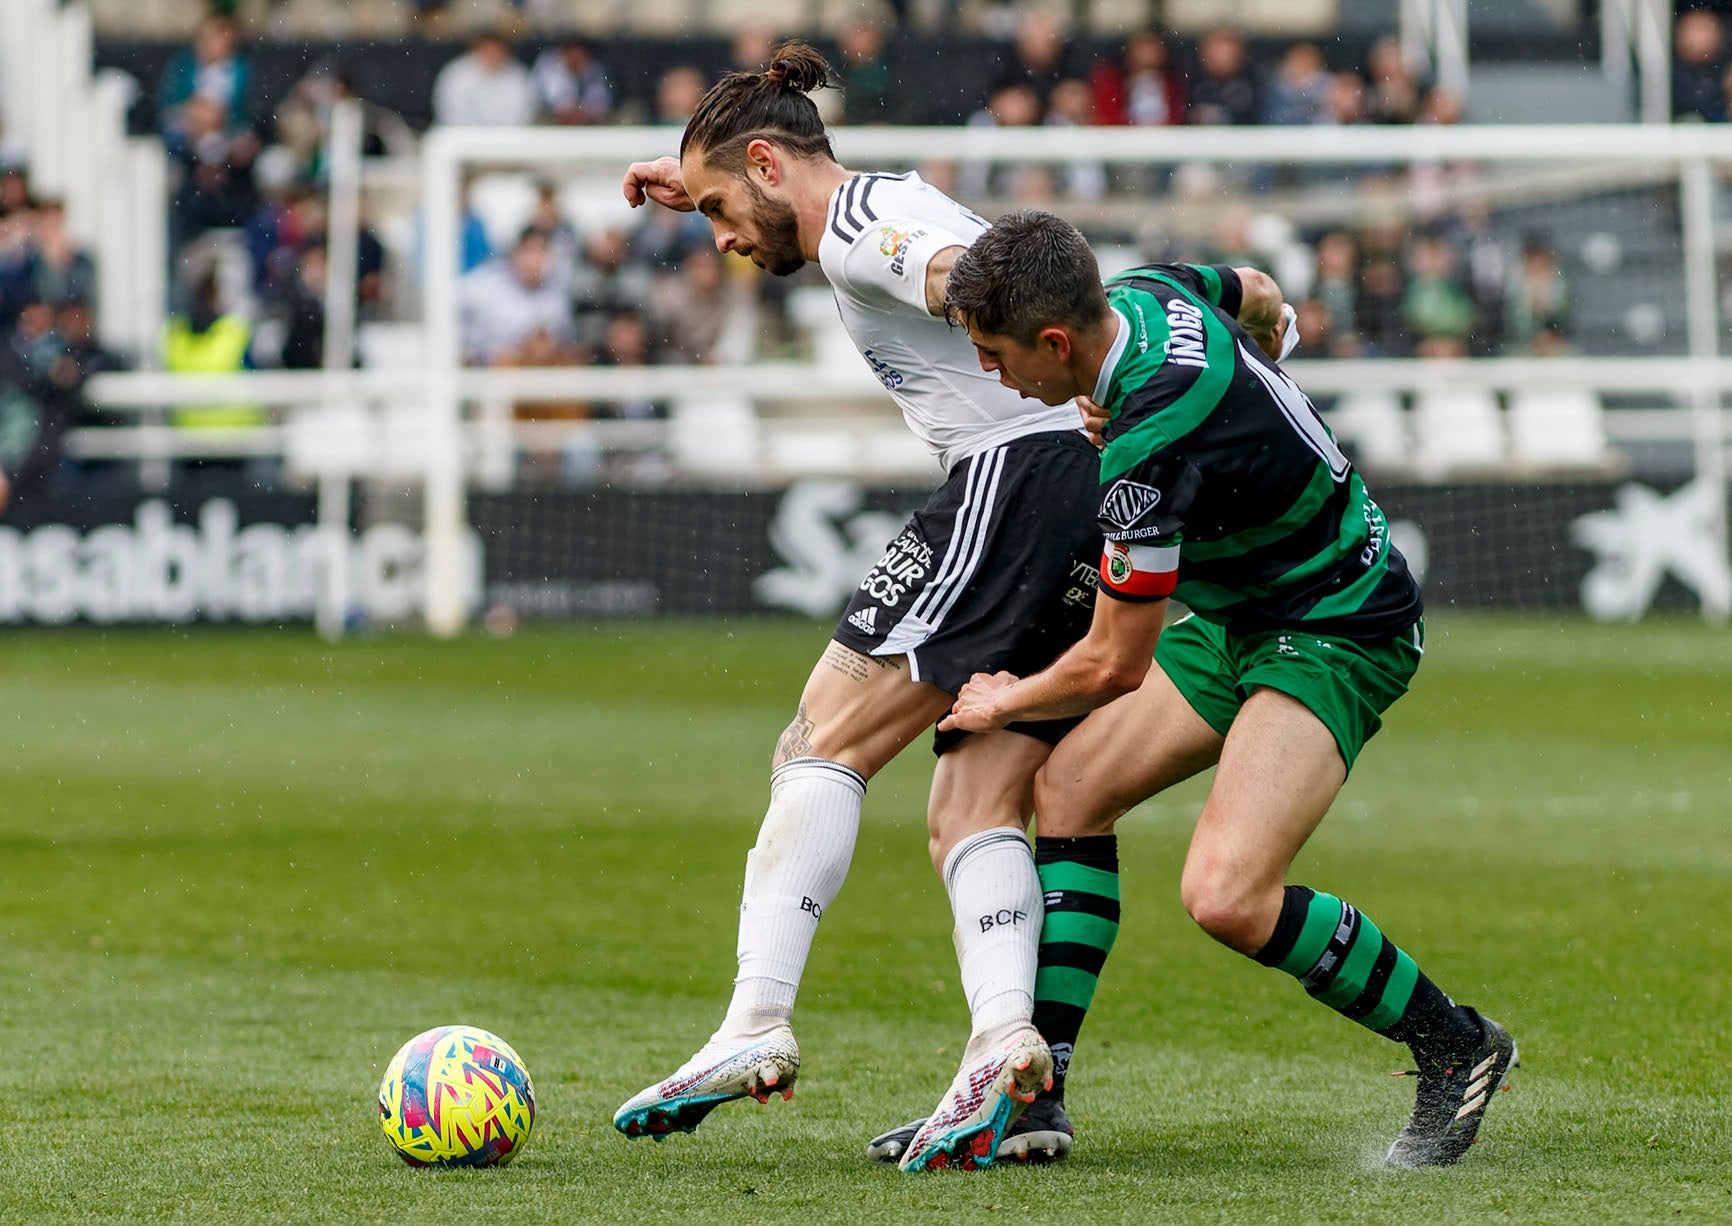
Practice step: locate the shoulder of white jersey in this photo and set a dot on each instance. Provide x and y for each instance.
(880, 232)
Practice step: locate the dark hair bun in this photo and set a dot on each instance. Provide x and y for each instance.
(799, 67)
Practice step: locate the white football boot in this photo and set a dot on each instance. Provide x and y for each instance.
(725, 1069)
(989, 1091)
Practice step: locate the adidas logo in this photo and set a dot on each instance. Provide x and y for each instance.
(865, 620)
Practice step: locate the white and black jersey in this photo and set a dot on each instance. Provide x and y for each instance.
(998, 569)
(881, 232)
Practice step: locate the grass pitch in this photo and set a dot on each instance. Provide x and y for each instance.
(238, 870)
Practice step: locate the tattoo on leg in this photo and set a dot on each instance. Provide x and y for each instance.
(796, 739)
(855, 666)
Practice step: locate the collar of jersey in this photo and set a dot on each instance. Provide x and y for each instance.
(1110, 364)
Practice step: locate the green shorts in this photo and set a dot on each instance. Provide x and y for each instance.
(1346, 684)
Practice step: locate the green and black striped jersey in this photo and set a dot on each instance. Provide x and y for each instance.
(1221, 485)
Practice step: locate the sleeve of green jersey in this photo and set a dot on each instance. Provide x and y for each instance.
(1216, 284)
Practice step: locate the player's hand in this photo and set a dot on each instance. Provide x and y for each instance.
(976, 708)
(1280, 338)
(1094, 419)
(660, 181)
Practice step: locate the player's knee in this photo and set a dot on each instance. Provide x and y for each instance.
(1224, 908)
(1062, 810)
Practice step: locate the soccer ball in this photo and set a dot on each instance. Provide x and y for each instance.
(456, 1096)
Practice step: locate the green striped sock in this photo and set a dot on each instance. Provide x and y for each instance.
(1080, 880)
(1343, 960)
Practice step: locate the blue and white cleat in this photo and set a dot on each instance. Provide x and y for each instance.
(988, 1093)
(723, 1071)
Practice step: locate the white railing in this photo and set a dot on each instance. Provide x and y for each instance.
(449, 445)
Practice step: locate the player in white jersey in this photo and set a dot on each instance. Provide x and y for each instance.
(996, 571)
(991, 569)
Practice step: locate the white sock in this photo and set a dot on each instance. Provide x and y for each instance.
(792, 877)
(995, 893)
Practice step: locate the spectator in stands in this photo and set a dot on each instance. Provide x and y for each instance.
(14, 190)
(1345, 105)
(706, 316)
(1072, 106)
(1395, 91)
(34, 340)
(303, 121)
(1538, 309)
(664, 237)
(1377, 306)
(1316, 325)
(216, 188)
(304, 340)
(1336, 285)
(751, 48)
(609, 279)
(1224, 92)
(477, 249)
(1013, 106)
(1436, 309)
(869, 94)
(206, 339)
(1298, 92)
(571, 86)
(484, 87)
(562, 249)
(677, 95)
(1036, 62)
(84, 354)
(1142, 88)
(1698, 66)
(1486, 262)
(17, 257)
(60, 272)
(510, 305)
(212, 68)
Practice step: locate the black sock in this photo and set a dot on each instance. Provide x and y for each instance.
(1080, 881)
(1344, 961)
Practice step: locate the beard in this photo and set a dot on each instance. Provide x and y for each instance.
(777, 250)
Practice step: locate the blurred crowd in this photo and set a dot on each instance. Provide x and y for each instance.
(249, 266)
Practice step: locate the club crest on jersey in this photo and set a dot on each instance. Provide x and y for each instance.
(1128, 501)
(1119, 563)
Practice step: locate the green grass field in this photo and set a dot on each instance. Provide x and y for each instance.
(238, 870)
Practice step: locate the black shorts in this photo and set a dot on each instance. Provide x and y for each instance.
(997, 571)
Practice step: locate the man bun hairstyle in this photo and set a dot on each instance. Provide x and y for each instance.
(1031, 270)
(771, 105)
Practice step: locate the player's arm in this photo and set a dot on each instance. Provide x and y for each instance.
(1110, 661)
(660, 181)
(905, 262)
(1264, 314)
(938, 276)
(1250, 295)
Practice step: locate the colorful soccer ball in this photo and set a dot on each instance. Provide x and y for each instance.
(456, 1096)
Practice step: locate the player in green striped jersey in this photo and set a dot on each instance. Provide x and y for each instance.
(1221, 486)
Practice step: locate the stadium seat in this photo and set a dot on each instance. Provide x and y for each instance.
(813, 310)
(716, 435)
(389, 345)
(892, 451)
(800, 449)
(1373, 427)
(730, 16)
(1559, 427)
(504, 203)
(1457, 428)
